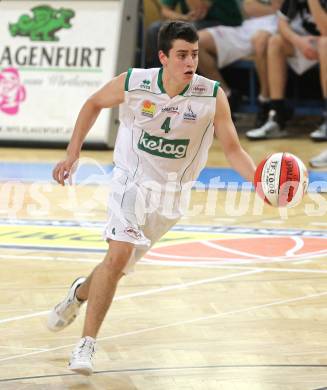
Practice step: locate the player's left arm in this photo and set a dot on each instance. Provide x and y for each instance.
(319, 15)
(227, 135)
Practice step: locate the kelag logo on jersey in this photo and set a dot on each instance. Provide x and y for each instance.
(148, 108)
(44, 23)
(167, 148)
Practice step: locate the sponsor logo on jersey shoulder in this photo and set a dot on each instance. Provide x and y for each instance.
(163, 147)
(189, 115)
(200, 88)
(148, 108)
(170, 110)
(145, 84)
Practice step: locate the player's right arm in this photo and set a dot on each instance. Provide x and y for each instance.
(110, 95)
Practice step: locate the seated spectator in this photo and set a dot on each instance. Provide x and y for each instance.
(301, 43)
(202, 13)
(221, 46)
(319, 161)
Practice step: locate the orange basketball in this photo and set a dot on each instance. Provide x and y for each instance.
(281, 180)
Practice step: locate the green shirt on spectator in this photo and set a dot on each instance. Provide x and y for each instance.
(226, 12)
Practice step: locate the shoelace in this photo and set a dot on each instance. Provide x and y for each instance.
(86, 350)
(267, 126)
(68, 306)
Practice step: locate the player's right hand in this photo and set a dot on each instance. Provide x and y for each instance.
(64, 170)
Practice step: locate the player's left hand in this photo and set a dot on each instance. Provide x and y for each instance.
(64, 170)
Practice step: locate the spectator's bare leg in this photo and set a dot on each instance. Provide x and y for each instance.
(278, 51)
(208, 58)
(322, 50)
(260, 45)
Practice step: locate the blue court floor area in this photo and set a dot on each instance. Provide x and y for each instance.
(96, 173)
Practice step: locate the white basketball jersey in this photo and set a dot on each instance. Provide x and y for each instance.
(162, 139)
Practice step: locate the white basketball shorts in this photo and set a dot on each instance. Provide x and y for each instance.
(134, 217)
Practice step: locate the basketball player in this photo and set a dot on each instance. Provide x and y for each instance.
(168, 117)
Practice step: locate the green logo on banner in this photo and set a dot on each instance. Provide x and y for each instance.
(163, 147)
(44, 23)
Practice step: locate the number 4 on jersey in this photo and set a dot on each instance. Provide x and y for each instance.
(166, 125)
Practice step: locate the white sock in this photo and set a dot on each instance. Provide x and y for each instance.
(263, 99)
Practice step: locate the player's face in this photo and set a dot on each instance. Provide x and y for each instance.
(182, 60)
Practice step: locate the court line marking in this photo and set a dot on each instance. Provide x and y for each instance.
(147, 292)
(49, 258)
(18, 347)
(146, 261)
(23, 317)
(178, 323)
(188, 368)
(299, 243)
(203, 259)
(302, 261)
(223, 260)
(196, 264)
(231, 250)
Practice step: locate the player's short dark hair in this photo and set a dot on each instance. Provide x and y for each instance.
(170, 31)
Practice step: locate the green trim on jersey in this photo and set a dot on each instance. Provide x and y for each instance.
(159, 81)
(129, 72)
(184, 90)
(162, 88)
(215, 90)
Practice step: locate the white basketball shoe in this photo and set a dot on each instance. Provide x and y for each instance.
(269, 130)
(319, 161)
(66, 311)
(321, 133)
(82, 355)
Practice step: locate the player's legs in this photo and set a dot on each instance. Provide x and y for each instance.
(82, 292)
(208, 54)
(99, 289)
(103, 284)
(320, 134)
(260, 45)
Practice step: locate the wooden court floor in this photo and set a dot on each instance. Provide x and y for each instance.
(231, 299)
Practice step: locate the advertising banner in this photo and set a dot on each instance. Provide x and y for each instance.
(53, 55)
